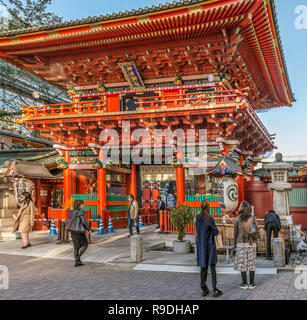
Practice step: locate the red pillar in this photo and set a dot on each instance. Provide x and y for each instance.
(133, 180)
(38, 196)
(67, 183)
(101, 190)
(241, 184)
(180, 185)
(74, 181)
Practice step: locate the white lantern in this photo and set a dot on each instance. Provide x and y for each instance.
(228, 194)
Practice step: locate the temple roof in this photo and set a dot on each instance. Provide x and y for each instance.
(25, 169)
(190, 38)
(23, 154)
(225, 166)
(24, 138)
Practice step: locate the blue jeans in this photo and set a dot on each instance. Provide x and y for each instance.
(135, 221)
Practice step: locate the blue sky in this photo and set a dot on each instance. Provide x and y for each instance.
(290, 124)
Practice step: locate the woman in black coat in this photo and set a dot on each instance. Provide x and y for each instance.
(78, 226)
(206, 248)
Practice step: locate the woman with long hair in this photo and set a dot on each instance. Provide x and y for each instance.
(206, 248)
(24, 221)
(245, 237)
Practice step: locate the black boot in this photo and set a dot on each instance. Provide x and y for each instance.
(244, 284)
(252, 280)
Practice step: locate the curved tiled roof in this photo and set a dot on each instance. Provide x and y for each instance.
(274, 13)
(107, 17)
(147, 11)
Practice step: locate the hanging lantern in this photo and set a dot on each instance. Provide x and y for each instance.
(228, 194)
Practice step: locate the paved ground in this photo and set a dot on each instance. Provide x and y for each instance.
(42, 278)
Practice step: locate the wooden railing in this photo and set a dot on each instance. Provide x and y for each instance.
(180, 100)
(120, 217)
(50, 110)
(193, 99)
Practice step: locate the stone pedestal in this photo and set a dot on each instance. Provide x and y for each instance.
(136, 249)
(279, 252)
(182, 246)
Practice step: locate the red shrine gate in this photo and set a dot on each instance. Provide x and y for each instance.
(206, 64)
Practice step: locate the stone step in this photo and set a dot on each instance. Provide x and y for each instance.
(8, 213)
(8, 235)
(7, 222)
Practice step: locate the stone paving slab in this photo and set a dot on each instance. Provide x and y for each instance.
(195, 269)
(51, 279)
(105, 249)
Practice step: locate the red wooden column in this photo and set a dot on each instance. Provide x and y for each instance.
(74, 181)
(133, 180)
(67, 183)
(241, 183)
(38, 196)
(180, 180)
(101, 187)
(101, 190)
(180, 185)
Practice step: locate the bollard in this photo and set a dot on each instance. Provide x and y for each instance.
(136, 249)
(279, 252)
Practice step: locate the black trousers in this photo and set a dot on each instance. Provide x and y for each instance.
(269, 229)
(203, 277)
(80, 243)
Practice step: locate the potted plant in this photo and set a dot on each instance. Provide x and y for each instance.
(181, 217)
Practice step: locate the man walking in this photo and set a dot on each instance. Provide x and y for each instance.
(160, 207)
(133, 212)
(271, 223)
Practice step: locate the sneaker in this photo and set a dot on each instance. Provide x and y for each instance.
(130, 235)
(252, 286)
(217, 293)
(205, 292)
(243, 286)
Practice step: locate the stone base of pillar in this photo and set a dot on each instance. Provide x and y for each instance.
(279, 252)
(136, 249)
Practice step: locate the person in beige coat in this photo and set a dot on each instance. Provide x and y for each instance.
(24, 221)
(133, 212)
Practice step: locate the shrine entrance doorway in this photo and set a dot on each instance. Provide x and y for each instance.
(158, 180)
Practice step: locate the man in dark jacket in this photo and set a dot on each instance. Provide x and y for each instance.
(160, 207)
(271, 223)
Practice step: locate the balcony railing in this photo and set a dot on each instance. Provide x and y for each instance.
(152, 103)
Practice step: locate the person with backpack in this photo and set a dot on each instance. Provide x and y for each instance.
(246, 234)
(206, 230)
(78, 226)
(271, 224)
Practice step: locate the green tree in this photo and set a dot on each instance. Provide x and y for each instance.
(25, 14)
(22, 14)
(181, 217)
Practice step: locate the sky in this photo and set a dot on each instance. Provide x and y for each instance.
(289, 124)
